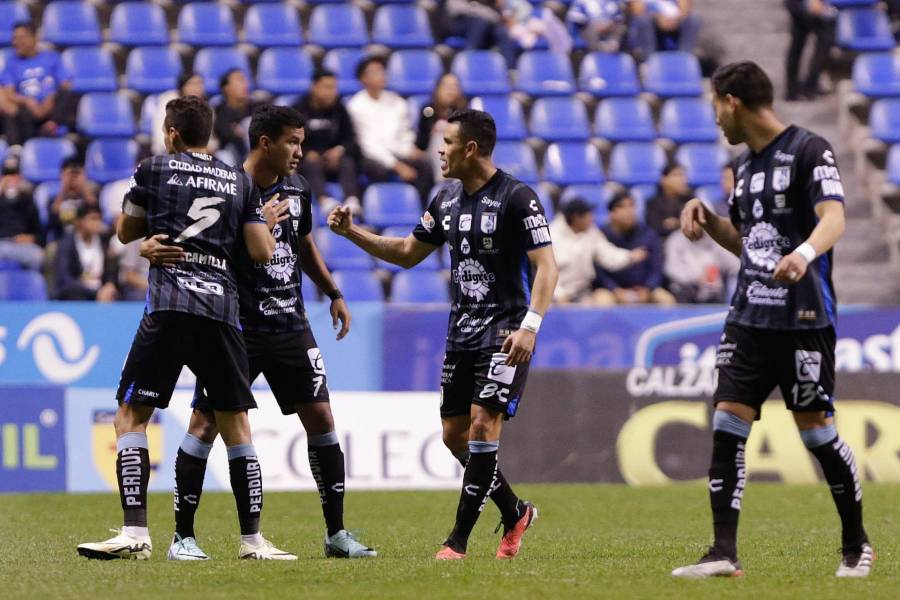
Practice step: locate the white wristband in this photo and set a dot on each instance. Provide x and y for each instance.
(532, 322)
(807, 251)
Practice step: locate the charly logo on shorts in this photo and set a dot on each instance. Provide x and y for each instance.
(809, 365)
(765, 245)
(282, 264)
(499, 371)
(472, 279)
(316, 360)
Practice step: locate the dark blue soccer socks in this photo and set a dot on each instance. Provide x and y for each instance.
(246, 485)
(190, 469)
(326, 462)
(727, 479)
(133, 474)
(502, 495)
(478, 481)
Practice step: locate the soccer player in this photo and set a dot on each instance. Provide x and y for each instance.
(279, 341)
(503, 275)
(191, 317)
(786, 214)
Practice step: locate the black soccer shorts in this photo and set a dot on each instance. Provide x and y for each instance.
(482, 378)
(292, 365)
(752, 362)
(167, 341)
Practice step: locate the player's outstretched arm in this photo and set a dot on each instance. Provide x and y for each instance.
(792, 268)
(696, 218)
(259, 241)
(405, 252)
(520, 344)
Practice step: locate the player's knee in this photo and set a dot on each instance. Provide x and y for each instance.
(203, 427)
(317, 418)
(807, 421)
(130, 419)
(482, 430)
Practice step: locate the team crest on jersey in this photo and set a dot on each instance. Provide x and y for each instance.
(757, 182)
(781, 178)
(465, 222)
(295, 206)
(276, 231)
(473, 280)
(489, 223)
(103, 444)
(427, 221)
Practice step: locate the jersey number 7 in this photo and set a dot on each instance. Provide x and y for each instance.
(204, 213)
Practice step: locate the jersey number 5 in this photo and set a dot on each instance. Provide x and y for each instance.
(204, 213)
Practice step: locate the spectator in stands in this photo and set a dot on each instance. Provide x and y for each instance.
(35, 96)
(641, 282)
(329, 149)
(189, 84)
(82, 268)
(231, 115)
(815, 17)
(662, 25)
(387, 141)
(133, 268)
(672, 193)
(478, 21)
(699, 272)
(20, 225)
(524, 24)
(74, 191)
(447, 97)
(579, 247)
(602, 24)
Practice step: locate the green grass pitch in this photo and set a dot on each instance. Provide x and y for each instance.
(592, 541)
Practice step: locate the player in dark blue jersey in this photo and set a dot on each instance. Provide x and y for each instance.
(191, 316)
(280, 344)
(503, 275)
(786, 214)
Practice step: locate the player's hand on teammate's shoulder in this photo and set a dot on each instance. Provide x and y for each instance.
(274, 212)
(693, 219)
(159, 253)
(340, 313)
(519, 346)
(790, 269)
(340, 220)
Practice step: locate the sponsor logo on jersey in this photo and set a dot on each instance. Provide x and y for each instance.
(445, 222)
(465, 222)
(448, 203)
(738, 190)
(757, 182)
(765, 246)
(468, 324)
(211, 184)
(180, 165)
(282, 265)
(490, 202)
(828, 156)
(473, 280)
(195, 284)
(464, 246)
(757, 209)
(782, 157)
(206, 260)
(277, 306)
(201, 156)
(761, 294)
(175, 180)
(781, 207)
(537, 225)
(427, 221)
(781, 178)
(809, 365)
(489, 223)
(825, 172)
(487, 243)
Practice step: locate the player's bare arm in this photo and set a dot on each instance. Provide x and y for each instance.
(406, 252)
(696, 218)
(792, 268)
(520, 344)
(259, 241)
(313, 265)
(159, 253)
(131, 228)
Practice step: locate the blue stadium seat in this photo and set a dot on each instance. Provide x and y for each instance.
(206, 24)
(359, 286)
(419, 286)
(111, 196)
(560, 119)
(148, 113)
(42, 158)
(642, 193)
(624, 120)
(633, 163)
(545, 73)
(22, 286)
(431, 262)
(152, 69)
(413, 71)
(44, 193)
(285, 71)
(884, 120)
(567, 163)
(702, 162)
(507, 113)
(605, 74)
(712, 194)
(89, 68)
(416, 104)
(402, 26)
(864, 30)
(893, 164)
(877, 74)
(108, 159)
(517, 159)
(338, 26)
(11, 12)
(267, 25)
(340, 253)
(342, 62)
(851, 3)
(543, 194)
(674, 73)
(138, 24)
(481, 72)
(105, 114)
(387, 204)
(685, 120)
(70, 23)
(596, 194)
(3, 149)
(212, 63)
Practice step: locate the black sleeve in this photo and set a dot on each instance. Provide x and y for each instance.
(430, 228)
(734, 212)
(306, 211)
(252, 212)
(525, 216)
(819, 171)
(137, 198)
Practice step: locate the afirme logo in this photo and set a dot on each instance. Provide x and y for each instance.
(57, 346)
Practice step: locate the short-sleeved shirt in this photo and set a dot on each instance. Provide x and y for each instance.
(36, 76)
(201, 203)
(489, 233)
(773, 206)
(270, 294)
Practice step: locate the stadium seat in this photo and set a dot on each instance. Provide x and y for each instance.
(544, 73)
(851, 3)
(605, 74)
(387, 204)
(138, 24)
(206, 24)
(11, 12)
(517, 159)
(669, 74)
(267, 25)
(89, 68)
(624, 120)
(108, 159)
(702, 162)
(70, 23)
(481, 72)
(105, 114)
(152, 69)
(359, 286)
(567, 163)
(893, 164)
(285, 71)
(419, 286)
(684, 120)
(877, 74)
(338, 26)
(594, 193)
(111, 196)
(560, 119)
(416, 104)
(546, 199)
(413, 71)
(342, 62)
(401, 26)
(633, 163)
(884, 120)
(44, 193)
(431, 262)
(340, 253)
(148, 113)
(22, 286)
(212, 63)
(864, 29)
(42, 158)
(712, 194)
(507, 113)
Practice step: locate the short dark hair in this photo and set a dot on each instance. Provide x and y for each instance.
(72, 162)
(670, 166)
(270, 120)
(185, 77)
(84, 209)
(192, 118)
(618, 198)
(746, 81)
(362, 65)
(28, 25)
(223, 80)
(476, 126)
(322, 74)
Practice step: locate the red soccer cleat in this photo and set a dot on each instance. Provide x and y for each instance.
(512, 538)
(448, 553)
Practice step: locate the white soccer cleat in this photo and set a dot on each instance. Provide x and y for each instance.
(185, 549)
(857, 564)
(344, 544)
(121, 546)
(264, 551)
(711, 565)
